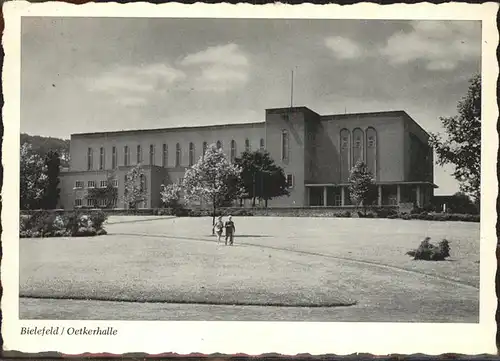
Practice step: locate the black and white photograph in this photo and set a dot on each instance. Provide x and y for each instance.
(275, 169)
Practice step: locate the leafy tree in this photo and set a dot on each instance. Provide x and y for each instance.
(52, 168)
(462, 144)
(33, 178)
(261, 178)
(42, 145)
(108, 194)
(362, 189)
(213, 179)
(135, 187)
(171, 195)
(461, 203)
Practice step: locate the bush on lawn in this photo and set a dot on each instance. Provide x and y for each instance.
(386, 213)
(343, 214)
(429, 252)
(53, 224)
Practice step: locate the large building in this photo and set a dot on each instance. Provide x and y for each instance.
(316, 152)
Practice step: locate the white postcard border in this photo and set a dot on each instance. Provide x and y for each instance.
(252, 338)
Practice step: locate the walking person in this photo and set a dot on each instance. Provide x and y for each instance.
(219, 225)
(230, 230)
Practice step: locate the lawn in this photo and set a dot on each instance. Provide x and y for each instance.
(355, 267)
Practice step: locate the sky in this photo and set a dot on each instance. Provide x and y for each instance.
(102, 74)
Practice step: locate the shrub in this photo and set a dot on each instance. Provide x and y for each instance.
(53, 224)
(405, 216)
(98, 218)
(386, 213)
(429, 252)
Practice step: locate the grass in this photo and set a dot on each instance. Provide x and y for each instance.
(276, 261)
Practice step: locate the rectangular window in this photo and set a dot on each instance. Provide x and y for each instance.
(115, 183)
(78, 202)
(102, 203)
(180, 180)
(285, 146)
(91, 184)
(79, 184)
(262, 145)
(191, 154)
(114, 158)
(164, 160)
(338, 200)
(90, 202)
(90, 160)
(139, 154)
(102, 158)
(152, 154)
(126, 155)
(289, 180)
(103, 184)
(204, 148)
(178, 155)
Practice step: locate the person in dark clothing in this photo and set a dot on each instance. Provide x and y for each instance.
(230, 230)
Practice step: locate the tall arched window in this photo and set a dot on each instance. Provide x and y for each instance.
(233, 150)
(247, 145)
(191, 154)
(262, 145)
(285, 146)
(143, 184)
(126, 155)
(139, 154)
(114, 158)
(90, 158)
(357, 145)
(345, 147)
(219, 144)
(152, 154)
(371, 150)
(178, 155)
(204, 148)
(164, 161)
(102, 159)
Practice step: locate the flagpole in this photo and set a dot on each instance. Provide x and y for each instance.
(291, 93)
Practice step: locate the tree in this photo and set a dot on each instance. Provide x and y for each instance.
(108, 195)
(261, 178)
(135, 187)
(42, 145)
(213, 179)
(461, 203)
(171, 195)
(33, 178)
(462, 145)
(52, 169)
(362, 187)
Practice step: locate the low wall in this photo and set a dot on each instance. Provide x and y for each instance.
(282, 211)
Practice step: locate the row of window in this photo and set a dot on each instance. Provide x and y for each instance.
(358, 138)
(152, 154)
(92, 184)
(89, 202)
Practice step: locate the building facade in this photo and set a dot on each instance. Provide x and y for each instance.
(315, 151)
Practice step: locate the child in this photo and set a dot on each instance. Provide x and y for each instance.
(218, 228)
(230, 230)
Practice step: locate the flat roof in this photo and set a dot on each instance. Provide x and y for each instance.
(155, 130)
(270, 110)
(366, 114)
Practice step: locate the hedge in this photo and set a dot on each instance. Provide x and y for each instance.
(344, 212)
(61, 224)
